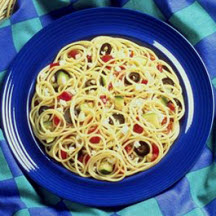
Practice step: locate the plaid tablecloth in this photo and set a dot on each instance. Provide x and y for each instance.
(194, 195)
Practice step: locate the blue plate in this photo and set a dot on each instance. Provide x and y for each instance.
(143, 29)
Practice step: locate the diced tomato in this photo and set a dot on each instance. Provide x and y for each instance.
(132, 53)
(80, 158)
(89, 58)
(155, 152)
(56, 120)
(66, 96)
(122, 67)
(171, 106)
(92, 129)
(169, 127)
(36, 103)
(84, 158)
(73, 53)
(63, 154)
(128, 148)
(87, 158)
(152, 57)
(144, 82)
(164, 121)
(110, 86)
(160, 67)
(106, 58)
(121, 76)
(54, 64)
(104, 98)
(138, 129)
(95, 139)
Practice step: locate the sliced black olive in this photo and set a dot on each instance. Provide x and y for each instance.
(166, 68)
(178, 103)
(90, 82)
(133, 76)
(168, 81)
(106, 47)
(143, 149)
(67, 117)
(111, 121)
(42, 109)
(119, 117)
(77, 110)
(103, 79)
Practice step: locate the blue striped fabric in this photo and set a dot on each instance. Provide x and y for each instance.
(193, 195)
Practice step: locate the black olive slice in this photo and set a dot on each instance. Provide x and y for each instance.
(91, 82)
(133, 76)
(168, 81)
(111, 121)
(42, 109)
(67, 117)
(119, 117)
(178, 103)
(166, 68)
(106, 47)
(143, 149)
(77, 110)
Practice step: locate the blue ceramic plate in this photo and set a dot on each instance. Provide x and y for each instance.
(145, 30)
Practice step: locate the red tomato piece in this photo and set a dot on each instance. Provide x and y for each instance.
(84, 158)
(81, 158)
(144, 82)
(92, 129)
(152, 57)
(63, 154)
(56, 120)
(106, 58)
(54, 64)
(128, 148)
(87, 158)
(110, 86)
(122, 67)
(89, 58)
(160, 67)
(171, 106)
(170, 126)
(155, 152)
(66, 96)
(73, 53)
(95, 139)
(138, 129)
(103, 98)
(164, 121)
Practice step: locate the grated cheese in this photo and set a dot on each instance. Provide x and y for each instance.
(137, 144)
(62, 102)
(125, 129)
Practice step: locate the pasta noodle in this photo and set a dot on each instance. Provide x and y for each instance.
(107, 108)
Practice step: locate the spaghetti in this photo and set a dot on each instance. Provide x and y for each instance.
(107, 108)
